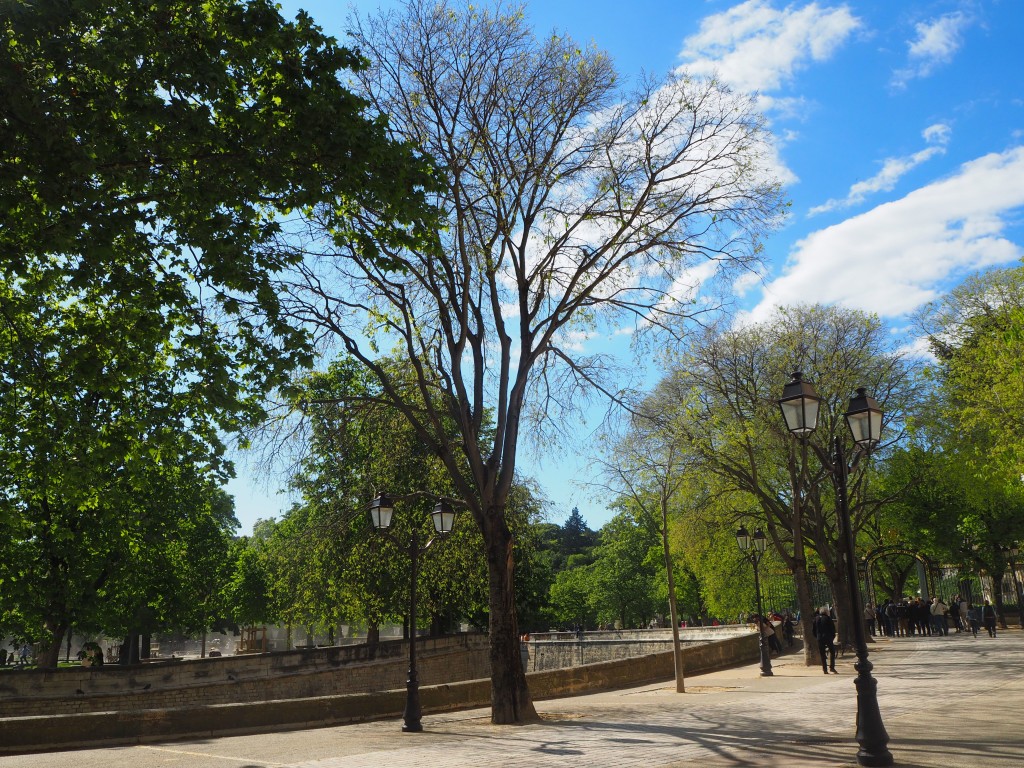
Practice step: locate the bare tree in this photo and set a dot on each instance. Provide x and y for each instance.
(571, 207)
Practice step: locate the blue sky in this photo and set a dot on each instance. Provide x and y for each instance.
(899, 132)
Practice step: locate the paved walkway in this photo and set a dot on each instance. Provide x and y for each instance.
(946, 702)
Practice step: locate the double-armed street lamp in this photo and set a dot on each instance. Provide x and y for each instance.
(381, 510)
(800, 406)
(753, 548)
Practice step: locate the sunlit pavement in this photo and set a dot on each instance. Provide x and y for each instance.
(949, 701)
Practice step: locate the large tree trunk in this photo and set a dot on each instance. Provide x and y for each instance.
(372, 638)
(510, 695)
(844, 608)
(798, 562)
(49, 655)
(807, 609)
(997, 598)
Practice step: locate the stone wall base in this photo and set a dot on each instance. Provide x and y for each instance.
(45, 733)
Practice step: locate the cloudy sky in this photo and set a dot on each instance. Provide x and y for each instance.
(899, 130)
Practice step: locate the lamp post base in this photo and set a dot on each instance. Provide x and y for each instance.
(766, 658)
(413, 713)
(871, 733)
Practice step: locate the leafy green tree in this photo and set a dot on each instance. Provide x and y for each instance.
(721, 396)
(149, 154)
(571, 596)
(576, 538)
(645, 468)
(569, 205)
(626, 569)
(249, 595)
(976, 333)
(357, 447)
(953, 515)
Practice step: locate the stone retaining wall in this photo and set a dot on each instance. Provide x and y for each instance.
(53, 732)
(237, 679)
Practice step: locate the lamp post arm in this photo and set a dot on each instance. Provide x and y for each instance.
(408, 546)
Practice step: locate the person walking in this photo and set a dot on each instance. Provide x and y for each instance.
(890, 618)
(988, 615)
(788, 628)
(974, 618)
(954, 613)
(869, 619)
(939, 611)
(824, 630)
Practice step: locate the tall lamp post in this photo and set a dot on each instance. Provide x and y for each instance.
(800, 404)
(381, 510)
(753, 548)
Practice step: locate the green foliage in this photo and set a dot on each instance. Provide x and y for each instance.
(977, 334)
(571, 598)
(576, 538)
(249, 593)
(727, 385)
(949, 513)
(329, 564)
(621, 580)
(148, 156)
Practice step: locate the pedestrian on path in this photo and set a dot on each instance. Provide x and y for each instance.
(788, 628)
(988, 615)
(824, 629)
(974, 618)
(869, 619)
(939, 611)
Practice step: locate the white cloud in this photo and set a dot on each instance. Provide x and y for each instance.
(893, 169)
(899, 255)
(745, 282)
(918, 348)
(936, 43)
(755, 47)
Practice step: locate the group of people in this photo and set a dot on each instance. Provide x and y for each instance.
(766, 626)
(22, 658)
(914, 616)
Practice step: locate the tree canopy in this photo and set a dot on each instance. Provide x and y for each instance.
(149, 155)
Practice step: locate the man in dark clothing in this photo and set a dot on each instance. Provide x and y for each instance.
(988, 615)
(923, 617)
(824, 629)
(890, 619)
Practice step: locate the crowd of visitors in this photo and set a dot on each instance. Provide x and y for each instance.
(914, 616)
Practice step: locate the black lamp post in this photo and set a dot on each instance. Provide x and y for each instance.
(753, 548)
(799, 404)
(381, 510)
